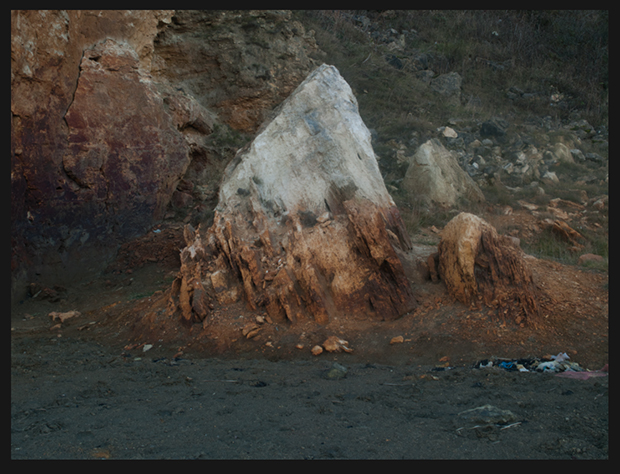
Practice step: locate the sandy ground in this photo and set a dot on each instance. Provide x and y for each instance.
(87, 389)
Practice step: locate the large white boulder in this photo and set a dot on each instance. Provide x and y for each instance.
(305, 227)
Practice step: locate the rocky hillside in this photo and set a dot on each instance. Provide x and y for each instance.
(521, 81)
(519, 99)
(124, 120)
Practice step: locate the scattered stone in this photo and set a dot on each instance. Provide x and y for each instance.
(577, 154)
(434, 174)
(558, 213)
(250, 330)
(449, 133)
(563, 153)
(495, 127)
(336, 372)
(527, 205)
(477, 263)
(147, 347)
(562, 202)
(428, 377)
(589, 257)
(595, 157)
(565, 231)
(550, 177)
(320, 271)
(335, 344)
(449, 86)
(316, 350)
(62, 317)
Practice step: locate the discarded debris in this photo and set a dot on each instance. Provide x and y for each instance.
(488, 414)
(554, 363)
(397, 340)
(586, 374)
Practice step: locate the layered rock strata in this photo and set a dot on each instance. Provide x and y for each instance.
(305, 228)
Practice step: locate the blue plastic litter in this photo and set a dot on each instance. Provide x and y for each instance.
(508, 365)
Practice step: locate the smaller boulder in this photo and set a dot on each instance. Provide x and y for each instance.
(449, 86)
(476, 263)
(495, 127)
(435, 175)
(589, 257)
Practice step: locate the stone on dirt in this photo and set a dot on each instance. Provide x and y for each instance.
(62, 317)
(589, 257)
(476, 263)
(335, 344)
(305, 227)
(337, 371)
(488, 414)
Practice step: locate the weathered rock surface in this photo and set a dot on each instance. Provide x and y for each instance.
(449, 86)
(110, 113)
(239, 63)
(64, 222)
(124, 155)
(434, 174)
(305, 228)
(476, 264)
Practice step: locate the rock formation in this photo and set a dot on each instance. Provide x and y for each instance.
(476, 263)
(434, 174)
(67, 214)
(110, 111)
(126, 164)
(305, 228)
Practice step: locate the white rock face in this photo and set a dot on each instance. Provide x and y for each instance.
(435, 175)
(315, 153)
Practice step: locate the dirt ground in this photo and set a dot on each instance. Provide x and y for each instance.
(125, 381)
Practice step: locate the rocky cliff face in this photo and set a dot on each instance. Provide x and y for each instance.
(238, 63)
(110, 108)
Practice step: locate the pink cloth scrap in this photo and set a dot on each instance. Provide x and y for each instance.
(584, 375)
